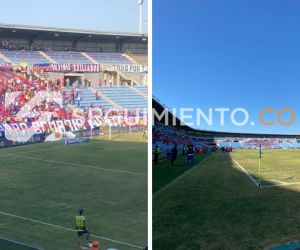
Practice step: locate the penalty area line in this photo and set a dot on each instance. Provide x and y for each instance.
(68, 229)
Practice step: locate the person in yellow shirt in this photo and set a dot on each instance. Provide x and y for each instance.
(81, 227)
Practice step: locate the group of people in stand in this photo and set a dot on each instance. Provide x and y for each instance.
(26, 90)
(189, 151)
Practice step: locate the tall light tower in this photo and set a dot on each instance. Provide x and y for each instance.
(140, 3)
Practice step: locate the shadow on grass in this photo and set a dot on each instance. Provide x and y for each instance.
(216, 206)
(164, 173)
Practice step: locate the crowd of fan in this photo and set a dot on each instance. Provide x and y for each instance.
(160, 135)
(27, 89)
(47, 108)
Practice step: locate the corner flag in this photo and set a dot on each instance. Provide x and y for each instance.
(260, 151)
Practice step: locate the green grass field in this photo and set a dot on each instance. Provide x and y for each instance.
(215, 205)
(164, 173)
(43, 186)
(278, 167)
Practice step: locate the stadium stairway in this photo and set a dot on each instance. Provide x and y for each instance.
(141, 59)
(126, 77)
(88, 98)
(19, 56)
(4, 76)
(131, 59)
(4, 58)
(106, 99)
(125, 97)
(89, 58)
(43, 54)
(10, 75)
(139, 92)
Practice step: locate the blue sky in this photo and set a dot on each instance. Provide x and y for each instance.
(228, 54)
(103, 15)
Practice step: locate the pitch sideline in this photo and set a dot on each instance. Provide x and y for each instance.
(67, 229)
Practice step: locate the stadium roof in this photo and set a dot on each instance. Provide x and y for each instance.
(198, 132)
(54, 33)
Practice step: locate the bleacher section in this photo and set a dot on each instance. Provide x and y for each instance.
(166, 137)
(246, 143)
(125, 97)
(68, 57)
(87, 97)
(19, 56)
(142, 89)
(109, 58)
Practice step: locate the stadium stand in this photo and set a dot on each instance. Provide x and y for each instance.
(143, 89)
(68, 57)
(109, 58)
(85, 98)
(81, 91)
(20, 56)
(166, 136)
(125, 97)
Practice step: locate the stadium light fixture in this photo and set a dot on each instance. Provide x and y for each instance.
(56, 34)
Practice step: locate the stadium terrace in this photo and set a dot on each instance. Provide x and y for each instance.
(58, 88)
(172, 131)
(94, 74)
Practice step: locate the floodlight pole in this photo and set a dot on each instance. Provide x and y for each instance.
(140, 3)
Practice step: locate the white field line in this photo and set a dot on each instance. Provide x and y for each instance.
(67, 229)
(120, 149)
(62, 146)
(76, 165)
(281, 184)
(246, 173)
(179, 177)
(28, 152)
(20, 243)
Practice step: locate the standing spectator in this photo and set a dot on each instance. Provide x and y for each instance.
(79, 82)
(174, 155)
(156, 154)
(190, 156)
